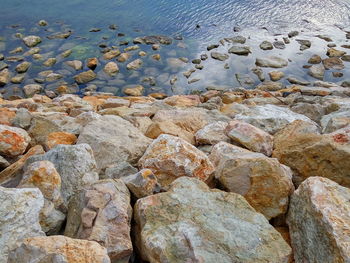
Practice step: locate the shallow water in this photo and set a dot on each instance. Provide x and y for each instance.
(259, 20)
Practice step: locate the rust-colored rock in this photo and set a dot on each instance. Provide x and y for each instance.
(56, 138)
(6, 116)
(13, 141)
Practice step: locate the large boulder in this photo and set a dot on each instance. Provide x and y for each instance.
(192, 223)
(102, 213)
(114, 140)
(264, 182)
(319, 221)
(74, 163)
(19, 217)
(58, 249)
(212, 133)
(13, 141)
(171, 157)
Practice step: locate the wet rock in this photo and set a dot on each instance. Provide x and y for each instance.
(212, 133)
(58, 249)
(133, 90)
(111, 54)
(4, 163)
(317, 71)
(346, 58)
(31, 41)
(325, 38)
(102, 213)
(279, 45)
(266, 45)
(240, 50)
(53, 77)
(332, 52)
(304, 44)
(123, 57)
(315, 59)
(318, 220)
(19, 217)
(333, 63)
(111, 68)
(13, 141)
(335, 120)
(259, 72)
(219, 56)
(134, 65)
(270, 86)
(60, 35)
(66, 53)
(85, 77)
(23, 67)
(296, 81)
(92, 63)
(337, 74)
(120, 139)
(18, 79)
(264, 182)
(50, 62)
(42, 23)
(170, 157)
(276, 75)
(244, 80)
(196, 61)
(4, 77)
(156, 57)
(74, 163)
(293, 34)
(31, 89)
(213, 46)
(131, 48)
(142, 184)
(75, 64)
(196, 238)
(250, 137)
(271, 62)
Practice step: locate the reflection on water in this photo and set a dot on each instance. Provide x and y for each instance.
(200, 22)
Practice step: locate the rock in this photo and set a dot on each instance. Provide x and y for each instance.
(196, 232)
(58, 249)
(142, 184)
(337, 74)
(49, 62)
(315, 91)
(325, 38)
(23, 67)
(134, 65)
(269, 118)
(42, 23)
(259, 72)
(123, 57)
(219, 56)
(13, 141)
(19, 217)
(74, 163)
(312, 111)
(75, 64)
(133, 90)
(271, 62)
(304, 44)
(188, 73)
(264, 182)
(270, 86)
(346, 58)
(56, 138)
(212, 133)
(266, 45)
(92, 63)
(31, 41)
(333, 63)
(293, 34)
(240, 50)
(60, 35)
(315, 59)
(317, 71)
(121, 141)
(102, 213)
(53, 77)
(310, 154)
(17, 79)
(4, 163)
(244, 80)
(279, 45)
(332, 52)
(213, 46)
(85, 77)
(276, 75)
(4, 77)
(7, 116)
(170, 157)
(250, 137)
(119, 170)
(31, 89)
(335, 121)
(296, 81)
(111, 54)
(111, 68)
(318, 220)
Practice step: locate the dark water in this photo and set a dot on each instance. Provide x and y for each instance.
(200, 22)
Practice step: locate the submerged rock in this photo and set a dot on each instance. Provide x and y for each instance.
(31, 41)
(266, 45)
(85, 77)
(271, 62)
(219, 56)
(317, 71)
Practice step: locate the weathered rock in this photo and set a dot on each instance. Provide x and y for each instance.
(31, 41)
(19, 217)
(183, 100)
(296, 81)
(111, 68)
(135, 64)
(50, 62)
(4, 77)
(74, 163)
(31, 89)
(56, 138)
(212, 133)
(133, 90)
(240, 50)
(333, 63)
(264, 182)
(58, 249)
(332, 52)
(276, 75)
(315, 59)
(170, 157)
(279, 44)
(266, 45)
(250, 137)
(271, 62)
(270, 86)
(335, 120)
(102, 213)
(195, 234)
(23, 67)
(318, 220)
(317, 71)
(142, 184)
(92, 63)
(312, 111)
(219, 56)
(75, 64)
(13, 141)
(85, 77)
(111, 54)
(244, 80)
(123, 57)
(113, 140)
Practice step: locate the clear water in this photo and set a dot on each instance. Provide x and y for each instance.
(259, 19)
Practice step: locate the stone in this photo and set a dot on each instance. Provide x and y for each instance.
(31, 89)
(170, 157)
(270, 86)
(50, 62)
(19, 217)
(264, 182)
(13, 141)
(92, 63)
(296, 81)
(346, 58)
(293, 34)
(244, 80)
(56, 138)
(135, 64)
(31, 41)
(111, 54)
(23, 67)
(259, 72)
(75, 64)
(271, 62)
(111, 68)
(7, 116)
(250, 137)
(196, 233)
(142, 184)
(4, 77)
(312, 111)
(53, 77)
(279, 45)
(85, 77)
(133, 90)
(74, 163)
(102, 213)
(315, 59)
(42, 23)
(276, 75)
(317, 71)
(113, 140)
(58, 249)
(4, 163)
(212, 133)
(332, 52)
(119, 170)
(219, 56)
(17, 79)
(335, 120)
(333, 63)
(266, 45)
(318, 220)
(240, 50)
(123, 57)
(304, 44)
(212, 46)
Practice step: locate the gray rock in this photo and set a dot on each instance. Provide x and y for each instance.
(266, 45)
(279, 45)
(31, 89)
(312, 111)
(219, 56)
(317, 71)
(244, 80)
(294, 80)
(31, 41)
(240, 50)
(335, 120)
(119, 170)
(293, 34)
(271, 62)
(259, 72)
(212, 133)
